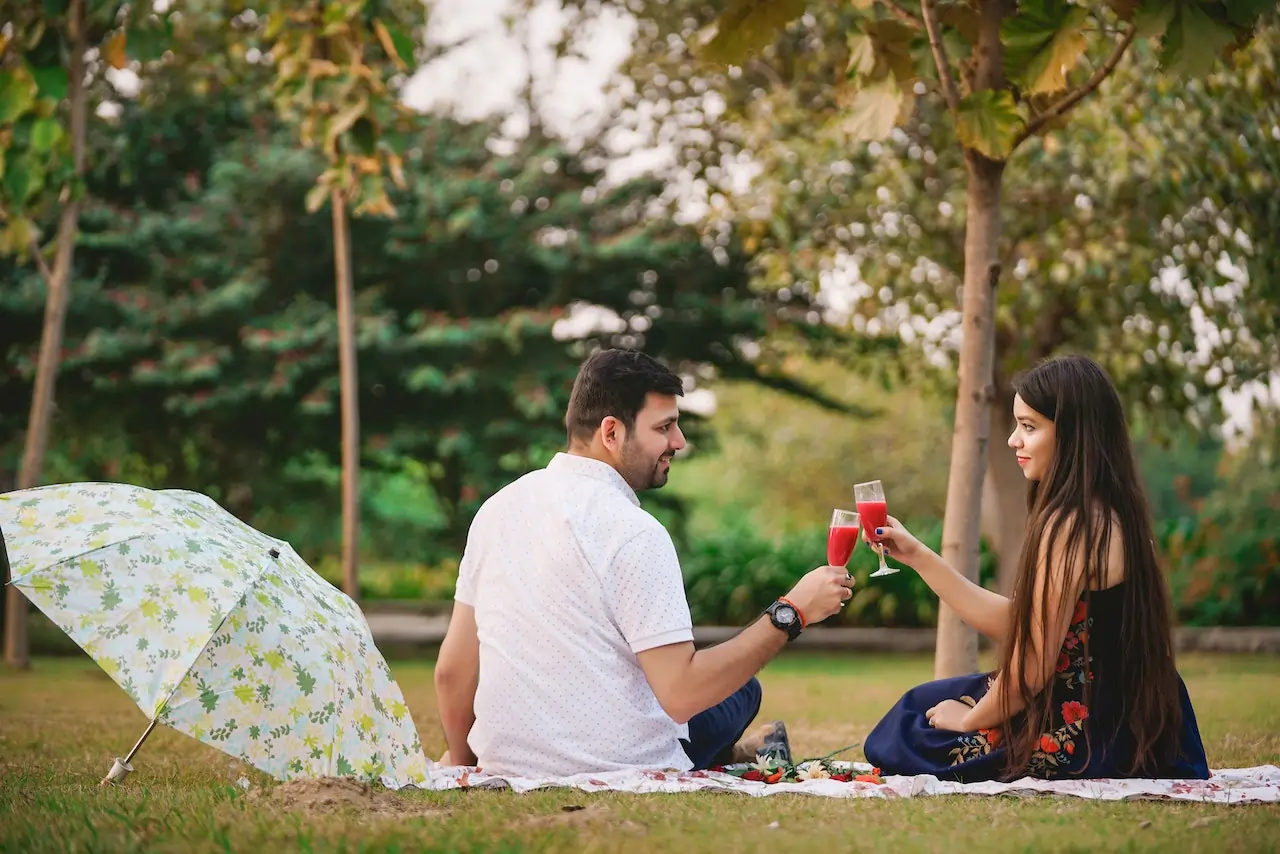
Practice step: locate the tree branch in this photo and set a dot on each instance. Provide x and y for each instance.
(949, 88)
(902, 14)
(40, 262)
(1081, 92)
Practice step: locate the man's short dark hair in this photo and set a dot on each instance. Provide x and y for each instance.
(615, 382)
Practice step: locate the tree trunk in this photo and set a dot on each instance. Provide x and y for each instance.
(1004, 497)
(957, 645)
(58, 282)
(350, 401)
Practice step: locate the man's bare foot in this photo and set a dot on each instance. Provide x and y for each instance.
(767, 740)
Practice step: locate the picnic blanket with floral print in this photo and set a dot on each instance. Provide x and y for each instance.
(831, 779)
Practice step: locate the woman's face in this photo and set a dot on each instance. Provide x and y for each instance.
(1033, 440)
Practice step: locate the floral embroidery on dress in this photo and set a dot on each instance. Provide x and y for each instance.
(1056, 751)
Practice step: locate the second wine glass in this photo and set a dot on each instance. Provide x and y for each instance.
(874, 512)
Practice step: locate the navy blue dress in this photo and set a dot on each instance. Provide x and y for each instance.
(1088, 739)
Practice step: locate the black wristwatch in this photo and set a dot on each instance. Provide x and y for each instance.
(786, 617)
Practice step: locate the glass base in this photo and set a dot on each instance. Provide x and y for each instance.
(888, 570)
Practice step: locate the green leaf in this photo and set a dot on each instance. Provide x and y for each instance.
(51, 82)
(873, 110)
(1245, 13)
(748, 26)
(862, 55)
(892, 42)
(989, 123)
(1042, 43)
(316, 197)
(397, 44)
(1193, 41)
(22, 180)
(1153, 17)
(45, 134)
(365, 136)
(148, 44)
(17, 93)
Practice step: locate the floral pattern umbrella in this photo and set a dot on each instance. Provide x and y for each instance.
(214, 629)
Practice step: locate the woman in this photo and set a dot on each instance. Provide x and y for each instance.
(1086, 686)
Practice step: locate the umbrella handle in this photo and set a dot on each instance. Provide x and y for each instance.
(121, 767)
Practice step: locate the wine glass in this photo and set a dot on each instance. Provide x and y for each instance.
(841, 537)
(869, 499)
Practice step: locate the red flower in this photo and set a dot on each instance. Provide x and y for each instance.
(1047, 744)
(1070, 747)
(1082, 611)
(992, 735)
(753, 774)
(842, 778)
(774, 777)
(1071, 642)
(1083, 636)
(1074, 711)
(1063, 663)
(869, 778)
(877, 772)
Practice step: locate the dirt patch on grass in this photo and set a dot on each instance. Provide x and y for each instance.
(595, 815)
(337, 794)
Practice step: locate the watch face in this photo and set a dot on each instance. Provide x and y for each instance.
(785, 614)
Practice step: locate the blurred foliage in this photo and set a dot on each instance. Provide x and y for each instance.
(201, 335)
(1142, 232)
(733, 574)
(1224, 552)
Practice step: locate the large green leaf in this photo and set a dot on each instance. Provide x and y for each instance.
(397, 44)
(1153, 17)
(22, 179)
(873, 110)
(748, 26)
(1042, 43)
(1193, 41)
(45, 134)
(989, 123)
(17, 93)
(51, 82)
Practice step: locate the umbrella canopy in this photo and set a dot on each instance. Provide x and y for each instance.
(213, 628)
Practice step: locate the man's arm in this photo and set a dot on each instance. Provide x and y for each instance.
(457, 676)
(687, 681)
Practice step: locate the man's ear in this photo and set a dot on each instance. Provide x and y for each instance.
(612, 433)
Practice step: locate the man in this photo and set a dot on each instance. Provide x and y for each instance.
(571, 647)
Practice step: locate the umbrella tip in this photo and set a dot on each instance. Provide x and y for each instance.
(274, 552)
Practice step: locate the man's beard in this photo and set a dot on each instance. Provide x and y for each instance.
(641, 473)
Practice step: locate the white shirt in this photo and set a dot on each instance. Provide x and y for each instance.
(569, 579)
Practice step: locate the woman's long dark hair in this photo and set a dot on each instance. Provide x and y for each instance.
(1090, 492)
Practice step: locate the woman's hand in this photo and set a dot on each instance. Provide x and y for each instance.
(949, 715)
(899, 542)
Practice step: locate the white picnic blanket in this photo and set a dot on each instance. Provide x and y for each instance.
(1230, 786)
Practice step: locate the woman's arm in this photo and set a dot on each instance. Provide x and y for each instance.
(987, 612)
(1059, 581)
(984, 610)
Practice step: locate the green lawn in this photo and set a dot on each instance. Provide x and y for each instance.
(61, 723)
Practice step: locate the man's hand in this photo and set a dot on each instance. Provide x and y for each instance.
(822, 593)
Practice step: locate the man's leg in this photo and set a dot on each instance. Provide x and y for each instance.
(714, 732)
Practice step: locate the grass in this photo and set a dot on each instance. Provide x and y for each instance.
(61, 723)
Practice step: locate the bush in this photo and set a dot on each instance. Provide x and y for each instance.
(733, 574)
(1223, 554)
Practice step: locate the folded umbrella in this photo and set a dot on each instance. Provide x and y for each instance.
(214, 629)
